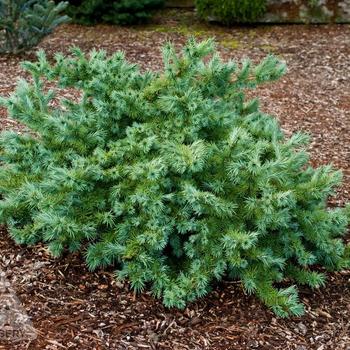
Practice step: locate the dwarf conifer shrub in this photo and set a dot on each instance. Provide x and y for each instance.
(24, 23)
(231, 11)
(173, 177)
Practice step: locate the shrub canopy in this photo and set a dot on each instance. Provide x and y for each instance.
(173, 177)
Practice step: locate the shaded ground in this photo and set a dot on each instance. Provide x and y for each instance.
(72, 308)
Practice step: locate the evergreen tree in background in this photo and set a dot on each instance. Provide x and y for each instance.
(24, 23)
(172, 177)
(115, 11)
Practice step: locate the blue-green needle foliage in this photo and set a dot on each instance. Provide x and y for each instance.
(173, 177)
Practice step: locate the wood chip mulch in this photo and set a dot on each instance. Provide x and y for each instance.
(72, 308)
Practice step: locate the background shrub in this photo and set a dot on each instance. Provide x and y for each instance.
(231, 11)
(23, 23)
(114, 11)
(173, 177)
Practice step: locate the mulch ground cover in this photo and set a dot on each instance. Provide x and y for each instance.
(72, 308)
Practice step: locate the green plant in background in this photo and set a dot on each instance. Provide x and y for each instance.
(24, 23)
(173, 177)
(115, 11)
(87, 11)
(231, 11)
(314, 3)
(133, 11)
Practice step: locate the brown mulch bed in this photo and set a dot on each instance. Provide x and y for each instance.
(72, 308)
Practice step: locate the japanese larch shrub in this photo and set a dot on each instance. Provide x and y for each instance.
(173, 177)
